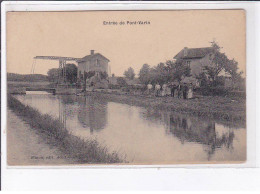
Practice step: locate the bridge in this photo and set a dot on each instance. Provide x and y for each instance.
(50, 90)
(62, 65)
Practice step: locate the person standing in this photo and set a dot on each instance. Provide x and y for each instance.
(179, 90)
(149, 87)
(173, 87)
(190, 92)
(185, 90)
(157, 89)
(164, 89)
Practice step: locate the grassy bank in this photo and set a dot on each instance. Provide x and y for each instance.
(219, 108)
(26, 84)
(75, 148)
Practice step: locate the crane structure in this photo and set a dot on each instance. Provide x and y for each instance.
(62, 64)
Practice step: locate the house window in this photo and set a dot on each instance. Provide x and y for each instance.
(188, 63)
(97, 63)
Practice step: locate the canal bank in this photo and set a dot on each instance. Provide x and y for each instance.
(72, 148)
(225, 109)
(144, 134)
(26, 147)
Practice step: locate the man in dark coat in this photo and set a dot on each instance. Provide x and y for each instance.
(185, 91)
(173, 88)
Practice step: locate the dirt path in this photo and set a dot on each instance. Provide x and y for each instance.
(26, 147)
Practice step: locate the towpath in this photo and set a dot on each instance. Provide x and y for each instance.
(26, 147)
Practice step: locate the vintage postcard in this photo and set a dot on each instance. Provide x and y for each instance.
(126, 87)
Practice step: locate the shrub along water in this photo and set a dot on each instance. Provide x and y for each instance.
(73, 147)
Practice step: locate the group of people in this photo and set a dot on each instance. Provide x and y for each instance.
(184, 90)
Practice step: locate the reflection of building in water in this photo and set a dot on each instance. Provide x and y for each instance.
(192, 129)
(92, 113)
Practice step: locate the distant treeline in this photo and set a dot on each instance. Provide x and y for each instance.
(26, 77)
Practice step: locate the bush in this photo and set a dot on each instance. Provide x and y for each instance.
(121, 81)
(219, 91)
(112, 86)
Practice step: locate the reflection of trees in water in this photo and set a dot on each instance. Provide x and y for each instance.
(62, 113)
(192, 129)
(92, 113)
(69, 103)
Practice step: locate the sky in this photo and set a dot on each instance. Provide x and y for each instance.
(74, 34)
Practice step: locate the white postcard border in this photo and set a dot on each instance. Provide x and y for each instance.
(15, 173)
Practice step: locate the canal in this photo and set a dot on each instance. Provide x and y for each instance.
(144, 135)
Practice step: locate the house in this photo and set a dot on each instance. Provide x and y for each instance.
(94, 62)
(196, 58)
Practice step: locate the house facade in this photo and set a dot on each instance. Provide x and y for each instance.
(196, 58)
(94, 62)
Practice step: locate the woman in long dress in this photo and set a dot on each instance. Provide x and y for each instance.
(190, 92)
(164, 88)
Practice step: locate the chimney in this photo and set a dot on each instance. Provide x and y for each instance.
(92, 52)
(185, 51)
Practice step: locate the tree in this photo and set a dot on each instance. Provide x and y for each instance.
(158, 74)
(144, 74)
(71, 73)
(129, 73)
(164, 72)
(53, 75)
(177, 70)
(121, 81)
(220, 62)
(103, 75)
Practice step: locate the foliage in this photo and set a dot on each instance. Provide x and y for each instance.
(158, 74)
(164, 72)
(89, 74)
(53, 75)
(71, 73)
(219, 63)
(177, 70)
(203, 80)
(144, 74)
(103, 75)
(129, 73)
(121, 81)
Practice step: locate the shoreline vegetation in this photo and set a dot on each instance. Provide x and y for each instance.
(215, 107)
(75, 148)
(222, 108)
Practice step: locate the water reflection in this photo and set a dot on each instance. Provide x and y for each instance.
(192, 129)
(91, 113)
(144, 135)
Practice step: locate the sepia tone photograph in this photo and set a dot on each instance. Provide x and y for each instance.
(126, 87)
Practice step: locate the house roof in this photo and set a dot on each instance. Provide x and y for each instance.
(194, 53)
(89, 57)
